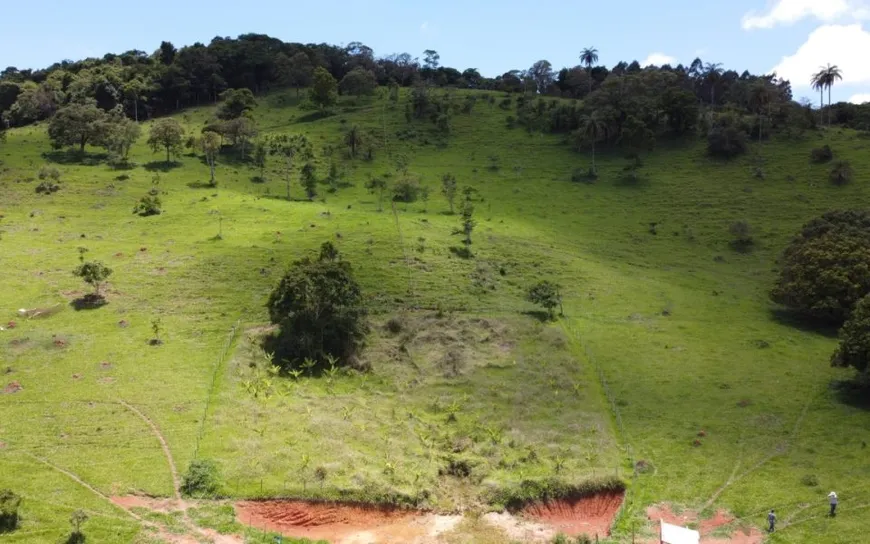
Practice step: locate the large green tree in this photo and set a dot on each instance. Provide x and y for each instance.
(77, 124)
(167, 134)
(826, 269)
(323, 90)
(854, 349)
(319, 308)
(235, 103)
(359, 82)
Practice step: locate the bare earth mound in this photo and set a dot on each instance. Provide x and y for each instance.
(720, 523)
(592, 515)
(335, 522)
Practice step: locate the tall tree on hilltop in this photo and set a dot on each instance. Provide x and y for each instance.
(832, 75)
(712, 75)
(589, 57)
(818, 82)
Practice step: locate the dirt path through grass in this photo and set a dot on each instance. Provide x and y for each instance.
(176, 481)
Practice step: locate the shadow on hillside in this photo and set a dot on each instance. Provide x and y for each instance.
(313, 116)
(161, 166)
(89, 302)
(854, 393)
(540, 315)
(803, 323)
(201, 185)
(74, 156)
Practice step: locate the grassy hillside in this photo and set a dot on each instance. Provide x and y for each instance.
(668, 331)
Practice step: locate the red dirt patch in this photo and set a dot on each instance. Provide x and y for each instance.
(592, 515)
(150, 503)
(328, 521)
(741, 533)
(12, 387)
(105, 365)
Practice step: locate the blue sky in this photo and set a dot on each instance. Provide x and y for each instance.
(791, 36)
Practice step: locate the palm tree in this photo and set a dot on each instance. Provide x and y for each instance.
(591, 129)
(589, 57)
(832, 74)
(712, 71)
(818, 82)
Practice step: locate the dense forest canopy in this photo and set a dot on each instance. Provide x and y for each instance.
(143, 85)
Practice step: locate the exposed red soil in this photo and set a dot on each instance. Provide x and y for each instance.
(329, 521)
(12, 387)
(592, 515)
(150, 503)
(741, 533)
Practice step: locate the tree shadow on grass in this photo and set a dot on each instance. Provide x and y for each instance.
(855, 393)
(461, 252)
(161, 166)
(201, 185)
(90, 301)
(540, 315)
(803, 322)
(74, 156)
(313, 116)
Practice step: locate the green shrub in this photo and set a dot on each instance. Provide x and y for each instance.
(9, 503)
(48, 187)
(821, 154)
(49, 172)
(841, 173)
(810, 480)
(148, 205)
(741, 236)
(726, 142)
(201, 479)
(406, 190)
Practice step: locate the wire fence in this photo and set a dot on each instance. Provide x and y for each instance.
(219, 363)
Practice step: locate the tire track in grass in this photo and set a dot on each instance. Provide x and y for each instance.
(781, 449)
(176, 481)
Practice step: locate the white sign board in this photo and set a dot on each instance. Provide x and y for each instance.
(674, 534)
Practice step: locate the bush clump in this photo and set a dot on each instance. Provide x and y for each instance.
(841, 173)
(821, 154)
(741, 234)
(727, 137)
(826, 269)
(148, 205)
(9, 503)
(201, 479)
(48, 187)
(406, 190)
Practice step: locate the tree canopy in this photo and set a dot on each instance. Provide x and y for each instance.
(826, 269)
(854, 349)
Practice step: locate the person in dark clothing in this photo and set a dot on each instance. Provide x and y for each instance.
(832, 498)
(771, 520)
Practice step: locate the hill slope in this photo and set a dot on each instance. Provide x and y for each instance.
(667, 334)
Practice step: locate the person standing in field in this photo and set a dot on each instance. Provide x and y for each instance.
(771, 520)
(832, 498)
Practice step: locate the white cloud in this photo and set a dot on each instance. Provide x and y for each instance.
(658, 59)
(846, 46)
(790, 11)
(860, 98)
(424, 28)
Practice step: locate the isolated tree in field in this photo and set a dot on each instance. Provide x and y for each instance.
(323, 89)
(261, 156)
(76, 520)
(353, 138)
(308, 180)
(854, 349)
(211, 146)
(830, 75)
(77, 124)
(466, 211)
(826, 269)
(236, 103)
(377, 186)
(120, 135)
(589, 56)
(590, 131)
(9, 504)
(287, 148)
(359, 82)
(201, 480)
(319, 307)
(166, 134)
(547, 295)
(449, 187)
(94, 273)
